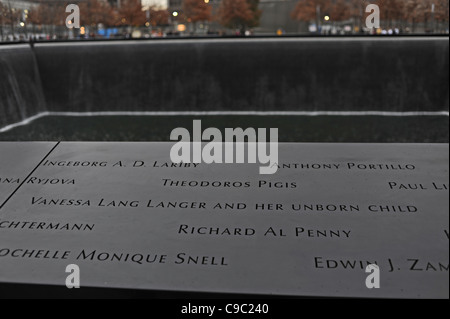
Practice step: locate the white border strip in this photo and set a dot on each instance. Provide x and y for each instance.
(22, 123)
(225, 113)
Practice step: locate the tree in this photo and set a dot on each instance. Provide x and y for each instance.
(442, 11)
(414, 12)
(236, 14)
(130, 13)
(311, 10)
(391, 10)
(51, 13)
(421, 11)
(254, 6)
(197, 10)
(8, 15)
(159, 17)
(340, 11)
(94, 12)
(3, 15)
(48, 15)
(357, 10)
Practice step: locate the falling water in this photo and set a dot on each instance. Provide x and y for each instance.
(20, 85)
(301, 75)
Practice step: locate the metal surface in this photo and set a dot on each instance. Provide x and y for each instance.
(383, 203)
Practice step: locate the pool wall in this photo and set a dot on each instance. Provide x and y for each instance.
(21, 92)
(263, 74)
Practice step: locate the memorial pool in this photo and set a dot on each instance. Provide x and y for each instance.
(363, 129)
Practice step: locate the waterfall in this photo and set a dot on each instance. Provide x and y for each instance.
(21, 94)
